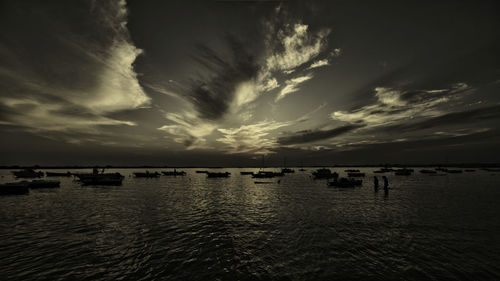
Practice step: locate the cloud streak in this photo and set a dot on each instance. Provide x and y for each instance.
(308, 136)
(292, 86)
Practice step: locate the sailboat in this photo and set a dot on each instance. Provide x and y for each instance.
(286, 170)
(266, 174)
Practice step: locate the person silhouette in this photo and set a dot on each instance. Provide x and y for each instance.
(335, 176)
(386, 184)
(375, 183)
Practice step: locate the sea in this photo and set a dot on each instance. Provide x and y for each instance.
(427, 227)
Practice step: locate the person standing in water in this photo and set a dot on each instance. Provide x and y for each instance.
(335, 176)
(386, 184)
(375, 183)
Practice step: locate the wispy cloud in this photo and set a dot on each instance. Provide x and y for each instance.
(254, 138)
(292, 85)
(90, 78)
(298, 46)
(308, 136)
(319, 63)
(188, 129)
(394, 105)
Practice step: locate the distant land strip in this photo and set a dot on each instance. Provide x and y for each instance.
(458, 165)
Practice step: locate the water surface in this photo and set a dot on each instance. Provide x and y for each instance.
(194, 228)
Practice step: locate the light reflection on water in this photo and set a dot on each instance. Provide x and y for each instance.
(194, 228)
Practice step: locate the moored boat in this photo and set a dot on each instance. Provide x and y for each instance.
(287, 171)
(57, 174)
(355, 174)
(267, 174)
(100, 179)
(344, 182)
(491, 170)
(383, 170)
(27, 173)
(424, 171)
(146, 174)
(351, 171)
(323, 174)
(14, 188)
(403, 172)
(218, 174)
(173, 173)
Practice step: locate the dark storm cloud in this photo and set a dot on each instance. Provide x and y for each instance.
(312, 136)
(212, 94)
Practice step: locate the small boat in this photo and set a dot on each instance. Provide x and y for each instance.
(14, 188)
(57, 174)
(383, 170)
(323, 174)
(428, 171)
(100, 179)
(146, 174)
(344, 182)
(491, 170)
(454, 171)
(246, 173)
(267, 174)
(201, 172)
(355, 174)
(174, 173)
(441, 169)
(263, 182)
(469, 170)
(218, 174)
(27, 173)
(403, 172)
(302, 169)
(351, 171)
(42, 184)
(286, 170)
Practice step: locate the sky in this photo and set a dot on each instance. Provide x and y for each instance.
(194, 83)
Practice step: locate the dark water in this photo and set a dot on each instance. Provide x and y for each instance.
(194, 228)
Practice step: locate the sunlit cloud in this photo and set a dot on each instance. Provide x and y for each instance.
(299, 46)
(39, 117)
(90, 81)
(254, 138)
(319, 63)
(188, 129)
(397, 106)
(292, 86)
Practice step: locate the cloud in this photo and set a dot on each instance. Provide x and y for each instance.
(254, 138)
(294, 46)
(188, 129)
(461, 118)
(316, 135)
(40, 117)
(395, 105)
(319, 63)
(68, 77)
(213, 93)
(292, 86)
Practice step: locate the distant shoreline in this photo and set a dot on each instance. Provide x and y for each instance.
(458, 165)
